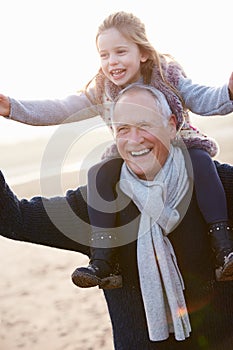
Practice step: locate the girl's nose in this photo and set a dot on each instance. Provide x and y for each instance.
(113, 59)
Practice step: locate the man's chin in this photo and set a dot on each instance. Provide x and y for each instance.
(144, 172)
(137, 169)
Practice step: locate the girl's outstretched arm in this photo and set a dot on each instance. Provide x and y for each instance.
(73, 108)
(60, 222)
(206, 100)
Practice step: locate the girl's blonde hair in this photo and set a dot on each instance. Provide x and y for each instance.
(134, 30)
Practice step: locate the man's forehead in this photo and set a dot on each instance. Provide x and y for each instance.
(135, 107)
(136, 115)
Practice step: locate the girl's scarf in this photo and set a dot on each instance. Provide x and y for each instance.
(160, 279)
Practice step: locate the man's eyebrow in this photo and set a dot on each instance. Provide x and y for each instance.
(138, 124)
(143, 122)
(121, 124)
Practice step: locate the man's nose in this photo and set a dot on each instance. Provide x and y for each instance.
(136, 136)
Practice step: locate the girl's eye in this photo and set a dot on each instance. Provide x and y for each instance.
(121, 51)
(103, 55)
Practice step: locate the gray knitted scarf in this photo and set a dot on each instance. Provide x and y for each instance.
(160, 279)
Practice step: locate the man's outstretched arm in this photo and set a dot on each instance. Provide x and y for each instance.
(60, 222)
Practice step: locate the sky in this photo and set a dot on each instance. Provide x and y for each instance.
(48, 46)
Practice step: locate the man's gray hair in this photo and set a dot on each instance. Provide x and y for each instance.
(160, 99)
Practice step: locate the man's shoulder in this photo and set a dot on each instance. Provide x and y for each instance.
(225, 172)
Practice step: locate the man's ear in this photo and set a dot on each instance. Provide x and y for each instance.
(172, 126)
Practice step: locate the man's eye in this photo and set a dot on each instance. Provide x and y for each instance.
(122, 130)
(145, 126)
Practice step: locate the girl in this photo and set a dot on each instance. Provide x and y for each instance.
(127, 56)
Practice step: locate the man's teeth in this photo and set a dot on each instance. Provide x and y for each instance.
(139, 153)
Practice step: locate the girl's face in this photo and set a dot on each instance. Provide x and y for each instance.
(120, 57)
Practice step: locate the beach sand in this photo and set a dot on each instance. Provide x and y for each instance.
(40, 308)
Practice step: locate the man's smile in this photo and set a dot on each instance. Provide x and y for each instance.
(140, 153)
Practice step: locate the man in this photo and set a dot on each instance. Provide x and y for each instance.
(144, 141)
(154, 175)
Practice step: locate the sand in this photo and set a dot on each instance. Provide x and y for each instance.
(40, 308)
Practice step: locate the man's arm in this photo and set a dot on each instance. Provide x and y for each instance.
(60, 222)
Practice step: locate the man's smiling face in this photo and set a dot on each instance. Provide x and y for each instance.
(142, 134)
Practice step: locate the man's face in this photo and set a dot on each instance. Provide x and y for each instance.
(142, 138)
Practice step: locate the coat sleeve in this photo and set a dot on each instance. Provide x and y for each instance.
(204, 100)
(60, 222)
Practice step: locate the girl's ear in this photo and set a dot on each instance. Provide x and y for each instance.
(144, 56)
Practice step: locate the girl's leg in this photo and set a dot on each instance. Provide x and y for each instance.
(211, 199)
(209, 190)
(101, 195)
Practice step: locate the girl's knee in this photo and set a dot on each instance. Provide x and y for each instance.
(200, 158)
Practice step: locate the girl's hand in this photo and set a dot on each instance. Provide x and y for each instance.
(230, 86)
(5, 105)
